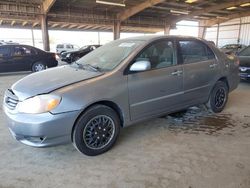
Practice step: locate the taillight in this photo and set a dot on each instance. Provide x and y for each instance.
(56, 56)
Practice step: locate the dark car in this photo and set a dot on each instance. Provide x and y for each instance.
(232, 48)
(72, 56)
(15, 58)
(244, 57)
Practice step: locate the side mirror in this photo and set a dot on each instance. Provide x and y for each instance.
(140, 66)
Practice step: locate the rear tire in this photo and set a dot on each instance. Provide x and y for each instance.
(38, 66)
(96, 131)
(218, 97)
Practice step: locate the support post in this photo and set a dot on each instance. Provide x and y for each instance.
(166, 29)
(45, 33)
(32, 35)
(239, 34)
(99, 38)
(117, 29)
(217, 36)
(202, 30)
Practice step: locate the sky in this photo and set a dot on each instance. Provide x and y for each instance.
(81, 38)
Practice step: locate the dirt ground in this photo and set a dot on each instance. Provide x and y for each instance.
(195, 149)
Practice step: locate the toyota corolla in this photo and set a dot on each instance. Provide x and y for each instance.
(117, 85)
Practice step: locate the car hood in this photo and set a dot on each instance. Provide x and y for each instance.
(244, 61)
(49, 80)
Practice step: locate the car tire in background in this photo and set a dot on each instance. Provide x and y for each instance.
(218, 97)
(38, 66)
(96, 130)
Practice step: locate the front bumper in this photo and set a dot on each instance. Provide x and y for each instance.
(244, 73)
(41, 130)
(245, 76)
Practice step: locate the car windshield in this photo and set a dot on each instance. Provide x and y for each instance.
(107, 57)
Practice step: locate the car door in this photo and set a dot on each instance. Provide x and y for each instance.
(21, 58)
(4, 59)
(200, 70)
(159, 89)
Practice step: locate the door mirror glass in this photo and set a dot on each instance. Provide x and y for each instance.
(139, 66)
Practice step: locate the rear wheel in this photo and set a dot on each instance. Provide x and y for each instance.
(39, 66)
(96, 130)
(218, 97)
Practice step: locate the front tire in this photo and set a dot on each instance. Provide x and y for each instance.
(96, 130)
(218, 97)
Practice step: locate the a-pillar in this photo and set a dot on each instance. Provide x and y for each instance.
(166, 29)
(117, 29)
(45, 33)
(202, 30)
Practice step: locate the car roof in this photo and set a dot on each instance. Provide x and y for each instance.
(155, 37)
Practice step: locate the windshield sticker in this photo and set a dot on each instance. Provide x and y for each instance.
(127, 44)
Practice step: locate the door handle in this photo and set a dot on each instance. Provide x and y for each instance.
(213, 65)
(176, 73)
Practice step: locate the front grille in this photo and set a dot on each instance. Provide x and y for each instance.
(10, 99)
(245, 70)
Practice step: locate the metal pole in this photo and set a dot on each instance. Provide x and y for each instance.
(99, 40)
(217, 37)
(239, 31)
(32, 35)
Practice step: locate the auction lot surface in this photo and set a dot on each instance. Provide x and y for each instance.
(195, 149)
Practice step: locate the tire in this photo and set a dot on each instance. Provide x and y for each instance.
(218, 97)
(88, 133)
(38, 66)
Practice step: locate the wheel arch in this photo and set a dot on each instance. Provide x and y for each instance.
(110, 104)
(225, 80)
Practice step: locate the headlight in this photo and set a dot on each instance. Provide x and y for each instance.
(39, 104)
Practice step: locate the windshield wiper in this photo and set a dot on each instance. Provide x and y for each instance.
(95, 68)
(84, 66)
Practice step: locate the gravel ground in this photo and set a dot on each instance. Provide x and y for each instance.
(192, 149)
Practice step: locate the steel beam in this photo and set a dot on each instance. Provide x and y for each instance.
(137, 8)
(210, 9)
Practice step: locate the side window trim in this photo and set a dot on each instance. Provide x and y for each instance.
(194, 40)
(126, 72)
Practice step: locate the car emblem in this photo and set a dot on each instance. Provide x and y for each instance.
(243, 69)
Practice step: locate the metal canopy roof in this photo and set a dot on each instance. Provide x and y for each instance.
(136, 16)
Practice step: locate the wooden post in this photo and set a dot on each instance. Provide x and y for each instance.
(117, 29)
(45, 33)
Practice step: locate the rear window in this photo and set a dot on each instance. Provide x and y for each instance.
(195, 51)
(23, 51)
(59, 46)
(69, 46)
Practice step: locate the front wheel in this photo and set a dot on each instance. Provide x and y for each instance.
(96, 130)
(218, 97)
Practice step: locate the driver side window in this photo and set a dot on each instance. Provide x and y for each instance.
(160, 54)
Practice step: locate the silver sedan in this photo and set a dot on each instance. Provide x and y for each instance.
(117, 85)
